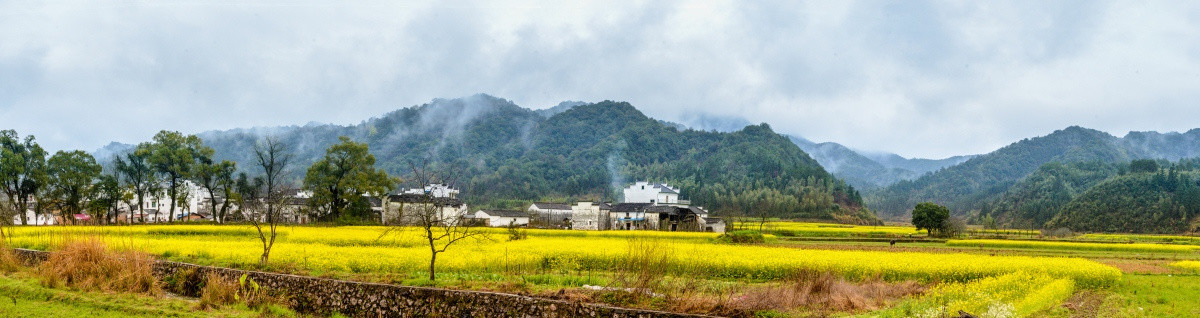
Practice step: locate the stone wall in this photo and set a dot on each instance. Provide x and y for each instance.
(356, 299)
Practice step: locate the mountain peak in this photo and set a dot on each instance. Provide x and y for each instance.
(561, 107)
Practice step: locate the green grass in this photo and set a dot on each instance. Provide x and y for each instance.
(23, 297)
(1157, 296)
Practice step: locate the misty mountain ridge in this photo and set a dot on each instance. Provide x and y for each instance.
(970, 185)
(864, 170)
(506, 155)
(561, 107)
(871, 170)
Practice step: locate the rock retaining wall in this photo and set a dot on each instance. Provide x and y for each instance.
(356, 299)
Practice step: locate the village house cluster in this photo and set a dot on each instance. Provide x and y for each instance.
(646, 206)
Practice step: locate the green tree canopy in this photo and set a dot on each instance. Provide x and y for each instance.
(173, 155)
(930, 217)
(134, 171)
(71, 177)
(1143, 166)
(22, 170)
(343, 176)
(104, 198)
(217, 178)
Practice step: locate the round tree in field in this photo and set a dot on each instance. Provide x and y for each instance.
(929, 216)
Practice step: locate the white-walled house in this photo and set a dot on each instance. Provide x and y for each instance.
(646, 192)
(157, 206)
(33, 219)
(632, 216)
(550, 214)
(403, 208)
(437, 190)
(716, 225)
(502, 217)
(590, 216)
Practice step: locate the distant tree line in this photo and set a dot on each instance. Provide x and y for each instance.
(70, 183)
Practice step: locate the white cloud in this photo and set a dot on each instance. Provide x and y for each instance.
(917, 78)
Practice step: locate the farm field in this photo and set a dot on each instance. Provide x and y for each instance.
(1023, 278)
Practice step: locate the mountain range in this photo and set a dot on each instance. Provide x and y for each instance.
(968, 186)
(503, 156)
(871, 170)
(507, 155)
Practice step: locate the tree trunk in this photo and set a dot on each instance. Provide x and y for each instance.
(140, 211)
(24, 202)
(171, 217)
(432, 270)
(212, 199)
(266, 248)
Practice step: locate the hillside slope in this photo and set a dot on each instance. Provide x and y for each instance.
(1040, 196)
(504, 155)
(1162, 202)
(967, 187)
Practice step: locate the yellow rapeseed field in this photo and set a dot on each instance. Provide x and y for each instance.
(1011, 295)
(363, 250)
(1187, 265)
(1152, 238)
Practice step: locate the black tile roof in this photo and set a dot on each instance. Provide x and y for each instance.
(631, 207)
(662, 209)
(422, 198)
(551, 206)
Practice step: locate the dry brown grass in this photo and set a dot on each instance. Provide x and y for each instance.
(824, 293)
(8, 260)
(217, 292)
(88, 264)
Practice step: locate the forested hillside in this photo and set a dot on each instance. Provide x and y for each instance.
(1165, 200)
(1040, 196)
(968, 186)
(505, 155)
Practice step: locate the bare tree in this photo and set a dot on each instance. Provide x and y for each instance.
(764, 213)
(437, 226)
(273, 157)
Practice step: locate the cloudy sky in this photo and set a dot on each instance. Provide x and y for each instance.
(925, 79)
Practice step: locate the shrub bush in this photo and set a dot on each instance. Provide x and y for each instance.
(742, 237)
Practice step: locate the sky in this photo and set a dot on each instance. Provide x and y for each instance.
(916, 78)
